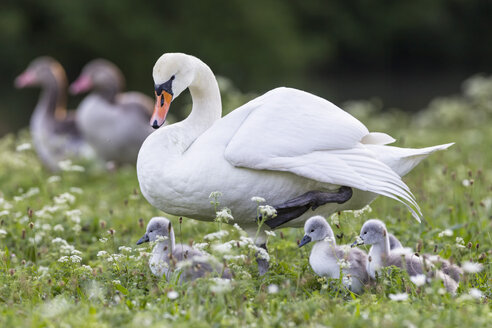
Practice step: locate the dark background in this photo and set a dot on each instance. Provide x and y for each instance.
(405, 52)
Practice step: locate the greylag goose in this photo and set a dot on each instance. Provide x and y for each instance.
(53, 129)
(168, 256)
(294, 149)
(326, 257)
(374, 233)
(114, 123)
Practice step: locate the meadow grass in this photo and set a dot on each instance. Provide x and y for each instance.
(62, 262)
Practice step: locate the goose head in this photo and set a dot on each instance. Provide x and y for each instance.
(316, 229)
(40, 72)
(158, 227)
(372, 232)
(172, 73)
(99, 74)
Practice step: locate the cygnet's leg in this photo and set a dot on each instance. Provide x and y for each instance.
(260, 239)
(263, 264)
(296, 207)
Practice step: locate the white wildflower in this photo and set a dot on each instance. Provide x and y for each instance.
(54, 178)
(235, 257)
(172, 295)
(4, 212)
(272, 289)
(222, 248)
(103, 240)
(76, 252)
(58, 227)
(343, 264)
(238, 228)
(86, 268)
(76, 190)
(31, 192)
(75, 259)
(74, 215)
(216, 235)
(215, 194)
(66, 248)
(347, 280)
(460, 243)
(64, 198)
(334, 219)
(465, 183)
(270, 233)
(23, 147)
(59, 240)
(224, 215)
(358, 213)
(43, 271)
(125, 249)
(77, 228)
(102, 254)
(446, 232)
(46, 227)
(418, 280)
(475, 293)
(472, 267)
(398, 297)
(220, 285)
(402, 251)
(161, 238)
(261, 253)
(258, 199)
(116, 282)
(200, 246)
(3, 233)
(267, 211)
(63, 259)
(67, 165)
(345, 249)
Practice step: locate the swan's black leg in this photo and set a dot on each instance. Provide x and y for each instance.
(263, 264)
(295, 207)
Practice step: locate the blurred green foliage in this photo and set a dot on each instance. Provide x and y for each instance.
(258, 44)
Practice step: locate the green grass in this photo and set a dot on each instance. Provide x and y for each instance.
(39, 291)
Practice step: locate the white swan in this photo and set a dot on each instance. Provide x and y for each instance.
(281, 146)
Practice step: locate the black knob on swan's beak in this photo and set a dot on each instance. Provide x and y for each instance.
(155, 125)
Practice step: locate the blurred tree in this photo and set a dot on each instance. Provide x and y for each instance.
(258, 44)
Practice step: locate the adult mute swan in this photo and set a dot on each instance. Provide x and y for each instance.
(114, 123)
(296, 150)
(53, 129)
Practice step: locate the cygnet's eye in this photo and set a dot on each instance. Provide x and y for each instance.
(312, 230)
(173, 77)
(365, 232)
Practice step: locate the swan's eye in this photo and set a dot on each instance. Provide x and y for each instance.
(312, 230)
(365, 232)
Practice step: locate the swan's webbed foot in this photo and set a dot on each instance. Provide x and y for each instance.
(263, 264)
(295, 207)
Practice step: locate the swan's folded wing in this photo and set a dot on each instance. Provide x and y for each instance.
(296, 132)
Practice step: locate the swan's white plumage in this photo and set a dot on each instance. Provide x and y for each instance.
(277, 146)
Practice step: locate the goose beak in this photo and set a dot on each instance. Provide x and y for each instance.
(144, 239)
(305, 240)
(162, 103)
(25, 79)
(82, 84)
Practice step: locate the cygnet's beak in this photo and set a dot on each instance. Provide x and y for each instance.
(358, 242)
(306, 239)
(82, 84)
(144, 239)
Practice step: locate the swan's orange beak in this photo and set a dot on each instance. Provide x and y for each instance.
(162, 103)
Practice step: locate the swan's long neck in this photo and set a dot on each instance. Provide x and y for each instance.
(207, 107)
(52, 101)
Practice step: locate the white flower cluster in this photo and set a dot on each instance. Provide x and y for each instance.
(418, 280)
(347, 280)
(446, 232)
(216, 235)
(23, 147)
(460, 243)
(267, 211)
(65, 198)
(258, 199)
(67, 165)
(398, 297)
(224, 215)
(343, 264)
(31, 192)
(220, 285)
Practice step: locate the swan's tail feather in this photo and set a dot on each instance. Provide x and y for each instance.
(403, 160)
